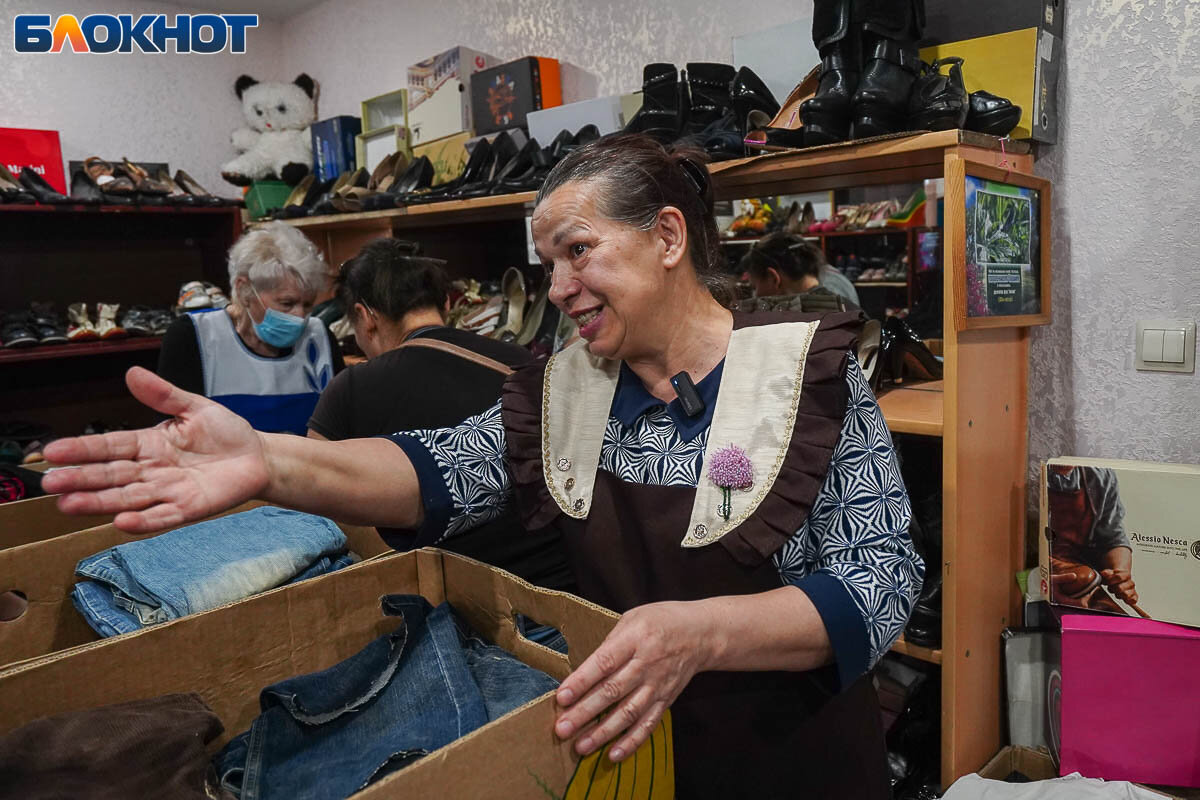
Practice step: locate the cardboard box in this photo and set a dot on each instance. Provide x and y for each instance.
(230, 654)
(333, 145)
(449, 156)
(1130, 700)
(371, 147)
(38, 519)
(502, 97)
(44, 572)
(24, 147)
(603, 112)
(1143, 509)
(1013, 48)
(439, 96)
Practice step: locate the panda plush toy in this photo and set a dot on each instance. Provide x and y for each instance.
(276, 144)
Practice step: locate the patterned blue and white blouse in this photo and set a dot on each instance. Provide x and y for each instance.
(852, 556)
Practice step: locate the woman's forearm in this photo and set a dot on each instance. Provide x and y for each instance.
(357, 481)
(775, 630)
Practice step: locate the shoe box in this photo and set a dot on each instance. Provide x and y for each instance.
(603, 112)
(1011, 48)
(38, 519)
(41, 150)
(502, 97)
(439, 93)
(229, 654)
(384, 129)
(1150, 508)
(263, 197)
(448, 155)
(333, 145)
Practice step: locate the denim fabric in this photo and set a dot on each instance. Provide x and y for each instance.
(331, 733)
(204, 566)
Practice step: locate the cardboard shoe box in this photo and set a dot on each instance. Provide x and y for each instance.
(38, 519)
(230, 654)
(1095, 510)
(603, 112)
(44, 572)
(502, 97)
(333, 145)
(449, 156)
(439, 93)
(1011, 48)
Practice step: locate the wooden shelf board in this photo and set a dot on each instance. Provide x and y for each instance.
(18, 355)
(891, 284)
(914, 408)
(79, 208)
(916, 651)
(476, 209)
(867, 232)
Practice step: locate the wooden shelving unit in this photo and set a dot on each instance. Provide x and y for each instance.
(978, 411)
(21, 355)
(131, 255)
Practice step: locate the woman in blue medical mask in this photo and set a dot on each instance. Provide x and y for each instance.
(262, 356)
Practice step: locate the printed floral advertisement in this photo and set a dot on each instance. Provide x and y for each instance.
(1003, 249)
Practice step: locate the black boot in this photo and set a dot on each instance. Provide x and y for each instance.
(662, 112)
(709, 95)
(826, 114)
(881, 102)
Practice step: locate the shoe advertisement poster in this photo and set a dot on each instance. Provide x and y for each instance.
(1003, 249)
(1120, 538)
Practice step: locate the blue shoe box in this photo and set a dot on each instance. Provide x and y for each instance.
(333, 145)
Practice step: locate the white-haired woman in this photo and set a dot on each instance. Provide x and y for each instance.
(263, 357)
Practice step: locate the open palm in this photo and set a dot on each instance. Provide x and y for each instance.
(205, 460)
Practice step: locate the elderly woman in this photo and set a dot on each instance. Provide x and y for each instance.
(755, 536)
(262, 356)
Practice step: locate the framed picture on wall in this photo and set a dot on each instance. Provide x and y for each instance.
(998, 244)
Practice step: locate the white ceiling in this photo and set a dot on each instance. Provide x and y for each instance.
(269, 9)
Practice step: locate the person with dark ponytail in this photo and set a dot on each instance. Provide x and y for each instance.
(788, 273)
(725, 481)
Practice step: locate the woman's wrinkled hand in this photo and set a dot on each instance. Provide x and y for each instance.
(633, 677)
(205, 460)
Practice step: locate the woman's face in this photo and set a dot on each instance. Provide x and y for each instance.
(287, 297)
(610, 278)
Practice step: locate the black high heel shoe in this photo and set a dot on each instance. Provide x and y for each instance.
(662, 112)
(902, 353)
(504, 150)
(939, 102)
(418, 176)
(478, 165)
(37, 186)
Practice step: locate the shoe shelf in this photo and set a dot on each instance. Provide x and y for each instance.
(915, 408)
(449, 212)
(78, 208)
(21, 355)
(926, 654)
(882, 284)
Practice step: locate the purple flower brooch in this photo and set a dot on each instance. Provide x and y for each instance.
(730, 468)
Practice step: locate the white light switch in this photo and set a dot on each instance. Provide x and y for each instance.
(1173, 346)
(1166, 345)
(1152, 345)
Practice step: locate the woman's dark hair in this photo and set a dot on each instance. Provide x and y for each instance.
(791, 255)
(392, 280)
(637, 177)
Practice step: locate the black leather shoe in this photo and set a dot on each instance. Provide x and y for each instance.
(902, 353)
(989, 113)
(84, 190)
(826, 114)
(478, 165)
(417, 177)
(748, 93)
(709, 95)
(37, 186)
(939, 102)
(662, 114)
(881, 102)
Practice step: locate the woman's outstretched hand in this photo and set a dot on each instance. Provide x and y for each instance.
(204, 461)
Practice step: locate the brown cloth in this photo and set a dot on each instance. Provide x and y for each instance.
(763, 735)
(145, 748)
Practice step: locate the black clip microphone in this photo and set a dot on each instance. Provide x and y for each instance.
(685, 390)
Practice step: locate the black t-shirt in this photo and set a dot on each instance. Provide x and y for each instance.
(179, 359)
(413, 388)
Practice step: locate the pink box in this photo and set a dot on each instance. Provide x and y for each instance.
(1130, 700)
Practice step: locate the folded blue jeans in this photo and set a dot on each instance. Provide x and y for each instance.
(329, 734)
(203, 566)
